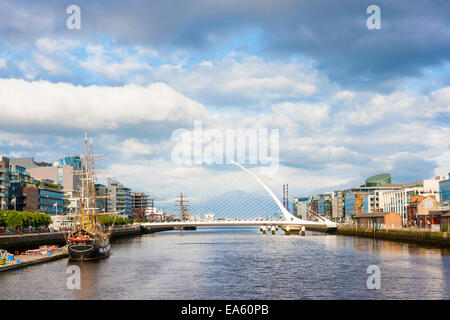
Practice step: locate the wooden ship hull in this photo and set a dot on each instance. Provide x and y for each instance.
(91, 249)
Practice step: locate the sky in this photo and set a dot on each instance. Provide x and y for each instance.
(348, 101)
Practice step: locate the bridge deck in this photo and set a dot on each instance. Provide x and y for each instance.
(257, 223)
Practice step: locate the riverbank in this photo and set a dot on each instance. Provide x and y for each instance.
(34, 240)
(405, 235)
(29, 260)
(29, 241)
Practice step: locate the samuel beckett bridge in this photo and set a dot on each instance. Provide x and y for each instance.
(284, 219)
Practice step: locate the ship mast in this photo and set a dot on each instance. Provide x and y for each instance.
(88, 197)
(89, 210)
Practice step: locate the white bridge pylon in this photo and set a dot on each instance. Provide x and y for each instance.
(287, 215)
(289, 219)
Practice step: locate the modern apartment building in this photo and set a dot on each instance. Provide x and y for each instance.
(4, 183)
(120, 198)
(23, 190)
(25, 196)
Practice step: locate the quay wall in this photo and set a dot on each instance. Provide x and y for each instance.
(34, 240)
(407, 235)
(30, 241)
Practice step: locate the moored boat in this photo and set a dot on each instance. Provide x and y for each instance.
(88, 240)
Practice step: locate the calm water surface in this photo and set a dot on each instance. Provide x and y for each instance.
(240, 263)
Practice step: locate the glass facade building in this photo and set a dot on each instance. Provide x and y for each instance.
(349, 205)
(321, 207)
(378, 180)
(73, 161)
(51, 201)
(444, 190)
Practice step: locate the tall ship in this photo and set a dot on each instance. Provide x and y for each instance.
(88, 239)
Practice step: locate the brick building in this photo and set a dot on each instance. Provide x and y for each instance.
(379, 220)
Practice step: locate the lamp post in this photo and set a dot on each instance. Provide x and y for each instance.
(15, 204)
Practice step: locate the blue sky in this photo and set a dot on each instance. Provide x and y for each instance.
(349, 102)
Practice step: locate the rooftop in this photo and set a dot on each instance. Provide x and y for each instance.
(378, 177)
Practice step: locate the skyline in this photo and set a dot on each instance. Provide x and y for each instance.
(348, 102)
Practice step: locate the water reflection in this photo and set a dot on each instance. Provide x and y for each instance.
(240, 263)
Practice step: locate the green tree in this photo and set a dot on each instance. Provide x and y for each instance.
(14, 219)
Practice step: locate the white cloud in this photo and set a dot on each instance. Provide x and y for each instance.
(27, 69)
(49, 45)
(15, 140)
(251, 80)
(114, 64)
(49, 65)
(94, 107)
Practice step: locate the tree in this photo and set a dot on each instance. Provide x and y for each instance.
(14, 219)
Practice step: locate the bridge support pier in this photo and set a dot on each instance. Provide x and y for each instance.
(290, 230)
(263, 229)
(273, 230)
(303, 231)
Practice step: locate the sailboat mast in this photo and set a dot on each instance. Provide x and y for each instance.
(93, 200)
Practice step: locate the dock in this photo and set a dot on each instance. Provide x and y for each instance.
(29, 260)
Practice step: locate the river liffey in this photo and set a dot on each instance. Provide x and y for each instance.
(241, 263)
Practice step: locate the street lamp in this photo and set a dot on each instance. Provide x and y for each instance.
(15, 204)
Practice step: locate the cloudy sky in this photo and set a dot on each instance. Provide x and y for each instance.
(348, 102)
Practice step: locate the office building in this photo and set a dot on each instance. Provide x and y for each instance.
(51, 200)
(300, 207)
(398, 200)
(444, 189)
(120, 199)
(63, 176)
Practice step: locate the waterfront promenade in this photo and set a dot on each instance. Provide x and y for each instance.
(32, 240)
(421, 236)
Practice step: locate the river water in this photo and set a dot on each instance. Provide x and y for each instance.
(240, 263)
